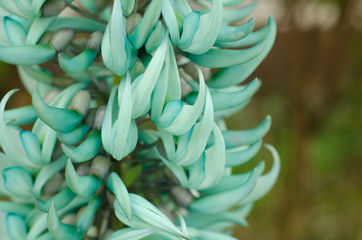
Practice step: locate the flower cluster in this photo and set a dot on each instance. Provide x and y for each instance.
(128, 100)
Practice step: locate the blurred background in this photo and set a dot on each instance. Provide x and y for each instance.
(312, 88)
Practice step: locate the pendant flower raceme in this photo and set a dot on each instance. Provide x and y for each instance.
(128, 106)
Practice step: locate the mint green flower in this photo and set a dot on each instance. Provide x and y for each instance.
(128, 138)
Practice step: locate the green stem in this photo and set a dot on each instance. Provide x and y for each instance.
(85, 14)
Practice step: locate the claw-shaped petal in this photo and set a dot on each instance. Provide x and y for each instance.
(16, 226)
(238, 156)
(236, 74)
(234, 33)
(60, 200)
(59, 230)
(18, 182)
(84, 186)
(266, 181)
(116, 49)
(221, 58)
(116, 185)
(131, 234)
(205, 37)
(138, 36)
(218, 202)
(86, 150)
(27, 54)
(74, 136)
(244, 137)
(238, 13)
(57, 118)
(88, 215)
(79, 63)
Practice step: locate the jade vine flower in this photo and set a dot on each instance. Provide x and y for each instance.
(128, 104)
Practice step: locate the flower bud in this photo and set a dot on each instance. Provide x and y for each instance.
(53, 7)
(95, 41)
(62, 38)
(132, 21)
(100, 166)
(182, 196)
(81, 102)
(99, 117)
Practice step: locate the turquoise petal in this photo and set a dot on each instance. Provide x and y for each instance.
(116, 185)
(57, 118)
(189, 114)
(238, 156)
(200, 134)
(205, 36)
(27, 55)
(88, 215)
(231, 2)
(249, 40)
(74, 136)
(230, 182)
(169, 113)
(159, 94)
(15, 31)
(155, 38)
(16, 226)
(210, 235)
(11, 7)
(34, 76)
(234, 33)
(221, 58)
(19, 183)
(127, 7)
(141, 91)
(86, 150)
(190, 25)
(131, 234)
(138, 36)
(107, 123)
(61, 200)
(236, 74)
(197, 173)
(116, 49)
(219, 202)
(21, 209)
(214, 160)
(10, 140)
(90, 5)
(152, 216)
(59, 230)
(47, 172)
(243, 137)
(78, 63)
(170, 19)
(228, 99)
(84, 186)
(31, 146)
(203, 220)
(123, 124)
(238, 13)
(174, 85)
(20, 116)
(266, 181)
(37, 29)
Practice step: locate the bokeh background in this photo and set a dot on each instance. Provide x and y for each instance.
(312, 88)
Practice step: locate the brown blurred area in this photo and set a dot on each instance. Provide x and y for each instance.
(312, 88)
